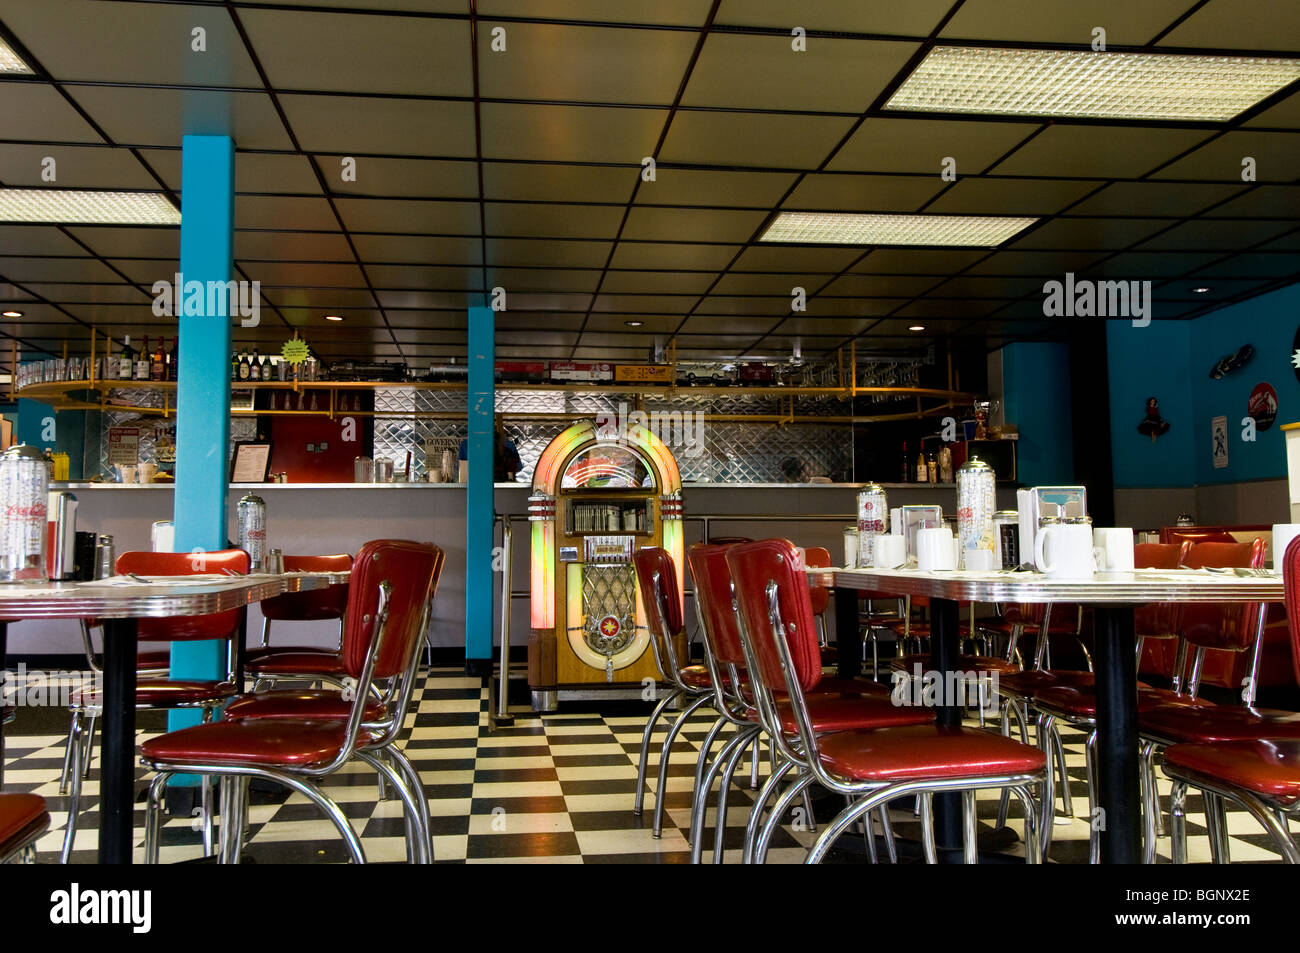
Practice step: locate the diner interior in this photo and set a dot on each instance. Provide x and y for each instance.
(706, 431)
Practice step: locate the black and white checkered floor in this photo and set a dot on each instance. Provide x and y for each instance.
(551, 789)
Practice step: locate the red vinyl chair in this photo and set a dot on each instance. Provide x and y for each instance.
(23, 819)
(388, 609)
(164, 693)
(871, 766)
(838, 705)
(1261, 772)
(657, 579)
(265, 664)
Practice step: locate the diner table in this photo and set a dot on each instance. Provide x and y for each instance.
(118, 602)
(1113, 597)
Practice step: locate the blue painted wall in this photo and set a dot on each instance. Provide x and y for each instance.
(1172, 361)
(1036, 398)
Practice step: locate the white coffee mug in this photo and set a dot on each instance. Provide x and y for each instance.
(934, 549)
(850, 547)
(1065, 551)
(1283, 533)
(979, 560)
(1114, 546)
(888, 551)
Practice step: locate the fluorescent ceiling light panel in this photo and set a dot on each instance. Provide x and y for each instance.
(10, 63)
(857, 228)
(63, 206)
(1088, 84)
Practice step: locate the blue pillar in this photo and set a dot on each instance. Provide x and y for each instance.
(479, 505)
(203, 389)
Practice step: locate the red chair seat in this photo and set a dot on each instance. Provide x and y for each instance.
(1183, 724)
(1081, 701)
(262, 741)
(308, 705)
(297, 663)
(696, 676)
(967, 663)
(1035, 680)
(257, 654)
(1267, 767)
(159, 693)
(829, 713)
(849, 686)
(921, 630)
(153, 660)
(21, 816)
(925, 752)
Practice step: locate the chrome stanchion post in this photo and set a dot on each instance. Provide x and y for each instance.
(500, 715)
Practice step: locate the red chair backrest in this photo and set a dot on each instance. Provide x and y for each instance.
(656, 576)
(311, 604)
(815, 557)
(186, 628)
(1160, 619)
(755, 566)
(713, 596)
(1231, 626)
(1291, 583)
(411, 570)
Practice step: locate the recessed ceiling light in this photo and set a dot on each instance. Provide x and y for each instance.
(9, 61)
(333, 317)
(13, 314)
(64, 206)
(1200, 291)
(634, 324)
(852, 228)
(917, 327)
(1085, 83)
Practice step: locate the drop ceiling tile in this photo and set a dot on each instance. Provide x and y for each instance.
(322, 300)
(1289, 242)
(649, 304)
(729, 324)
(691, 13)
(114, 242)
(1062, 21)
(1046, 263)
(1217, 235)
(419, 249)
(1143, 265)
(864, 193)
(138, 116)
(401, 177)
(674, 186)
(557, 183)
(291, 246)
(354, 317)
(539, 252)
(430, 337)
(1285, 115)
(428, 319)
(146, 271)
(764, 305)
(921, 145)
(949, 308)
(607, 353)
(759, 71)
(549, 302)
(540, 339)
(915, 18)
(880, 286)
(687, 256)
(74, 168)
(582, 281)
(1265, 201)
(36, 240)
(90, 294)
(1154, 198)
(377, 126)
(542, 320)
(254, 171)
(917, 261)
(756, 140)
(310, 50)
(820, 327)
(1232, 24)
(1276, 155)
(564, 63)
(789, 258)
(428, 300)
(398, 215)
(304, 274)
(569, 133)
(746, 283)
(533, 352)
(98, 42)
(1253, 265)
(640, 342)
(55, 269)
(1099, 151)
(1077, 233)
(971, 286)
(977, 196)
(652, 282)
(822, 306)
(283, 212)
(691, 225)
(423, 276)
(10, 292)
(650, 323)
(42, 114)
(508, 220)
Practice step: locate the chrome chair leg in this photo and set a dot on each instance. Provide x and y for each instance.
(403, 764)
(778, 811)
(703, 758)
(769, 788)
(754, 762)
(887, 829)
(153, 814)
(1150, 803)
(1217, 823)
(76, 748)
(659, 709)
(702, 800)
(416, 838)
(1275, 823)
(1094, 833)
(970, 828)
(88, 745)
(229, 830)
(67, 751)
(868, 832)
(927, 828)
(1178, 822)
(1048, 805)
(724, 789)
(661, 792)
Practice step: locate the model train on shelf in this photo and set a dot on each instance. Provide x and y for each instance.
(576, 372)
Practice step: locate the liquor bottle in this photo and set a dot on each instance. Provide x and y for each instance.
(243, 365)
(174, 359)
(933, 465)
(906, 475)
(922, 471)
(234, 366)
(266, 369)
(158, 363)
(126, 361)
(142, 361)
(254, 367)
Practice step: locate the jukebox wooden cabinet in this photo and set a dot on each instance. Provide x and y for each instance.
(599, 494)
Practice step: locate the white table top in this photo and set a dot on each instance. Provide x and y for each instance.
(1137, 587)
(123, 598)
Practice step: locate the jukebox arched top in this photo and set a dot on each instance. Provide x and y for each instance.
(588, 450)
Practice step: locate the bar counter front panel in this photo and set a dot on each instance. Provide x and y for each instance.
(308, 518)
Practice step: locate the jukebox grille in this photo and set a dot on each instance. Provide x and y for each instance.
(609, 593)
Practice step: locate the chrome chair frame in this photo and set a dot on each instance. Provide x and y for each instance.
(1273, 814)
(868, 796)
(23, 850)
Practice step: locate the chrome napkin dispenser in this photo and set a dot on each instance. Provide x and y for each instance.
(1046, 502)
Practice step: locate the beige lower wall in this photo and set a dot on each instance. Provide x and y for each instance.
(1259, 501)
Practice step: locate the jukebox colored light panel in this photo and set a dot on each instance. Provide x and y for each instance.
(672, 543)
(542, 573)
(546, 474)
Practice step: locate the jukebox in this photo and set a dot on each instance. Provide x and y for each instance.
(599, 493)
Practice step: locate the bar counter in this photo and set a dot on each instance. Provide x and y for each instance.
(318, 518)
